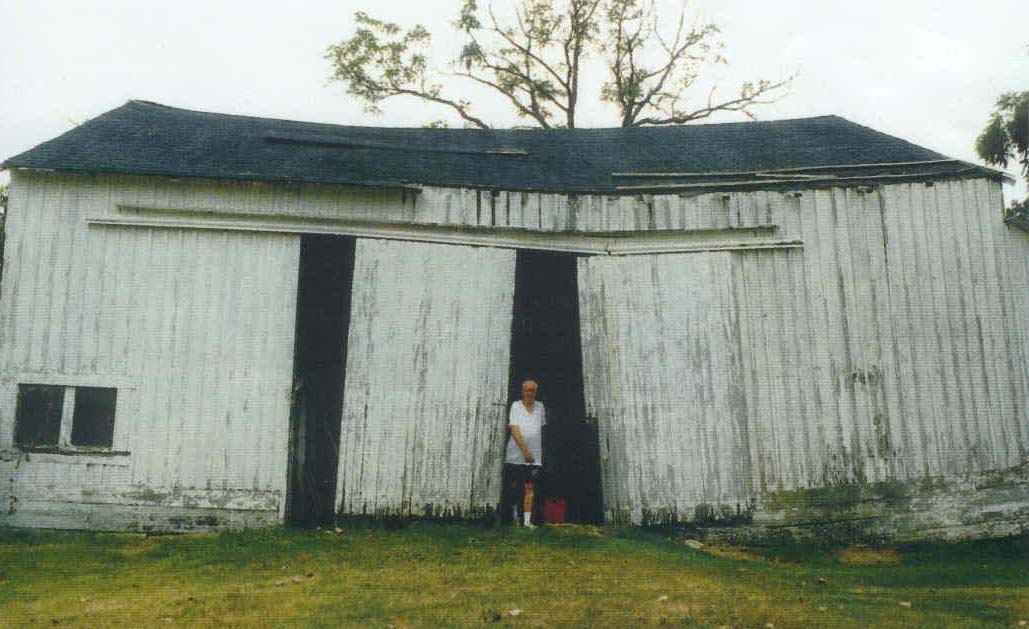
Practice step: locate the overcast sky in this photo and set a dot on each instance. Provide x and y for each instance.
(927, 71)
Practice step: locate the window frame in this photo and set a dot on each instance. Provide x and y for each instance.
(64, 442)
(23, 393)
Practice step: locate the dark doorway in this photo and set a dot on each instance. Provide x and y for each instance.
(546, 346)
(319, 360)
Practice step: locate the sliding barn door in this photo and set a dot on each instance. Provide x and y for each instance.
(423, 426)
(662, 378)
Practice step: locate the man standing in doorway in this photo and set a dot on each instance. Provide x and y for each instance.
(524, 458)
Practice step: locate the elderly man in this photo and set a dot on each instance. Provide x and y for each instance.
(524, 458)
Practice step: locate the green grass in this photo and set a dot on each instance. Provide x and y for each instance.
(454, 575)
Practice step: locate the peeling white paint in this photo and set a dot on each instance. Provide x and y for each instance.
(891, 348)
(200, 324)
(662, 378)
(424, 417)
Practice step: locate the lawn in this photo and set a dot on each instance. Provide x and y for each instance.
(456, 575)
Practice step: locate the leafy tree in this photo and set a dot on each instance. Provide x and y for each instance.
(1006, 137)
(535, 62)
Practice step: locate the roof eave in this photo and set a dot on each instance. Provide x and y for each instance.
(969, 171)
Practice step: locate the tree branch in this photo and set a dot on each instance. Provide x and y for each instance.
(740, 104)
(457, 106)
(523, 49)
(521, 107)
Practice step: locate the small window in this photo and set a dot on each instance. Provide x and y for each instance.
(93, 419)
(38, 418)
(65, 418)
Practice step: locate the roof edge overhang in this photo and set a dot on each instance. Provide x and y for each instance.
(700, 183)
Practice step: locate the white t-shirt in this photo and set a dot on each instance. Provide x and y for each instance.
(531, 427)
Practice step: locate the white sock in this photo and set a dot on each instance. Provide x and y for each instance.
(528, 518)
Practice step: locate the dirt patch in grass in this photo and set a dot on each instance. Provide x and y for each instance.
(865, 556)
(737, 553)
(577, 529)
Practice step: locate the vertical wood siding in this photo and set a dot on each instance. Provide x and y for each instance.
(891, 347)
(894, 346)
(663, 380)
(423, 411)
(555, 212)
(434, 206)
(194, 328)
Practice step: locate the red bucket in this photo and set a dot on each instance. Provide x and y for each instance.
(554, 509)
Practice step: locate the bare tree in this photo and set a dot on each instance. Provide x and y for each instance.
(535, 60)
(651, 74)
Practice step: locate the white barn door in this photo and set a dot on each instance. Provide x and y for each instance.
(662, 378)
(423, 423)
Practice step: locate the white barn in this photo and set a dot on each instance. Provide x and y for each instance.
(211, 320)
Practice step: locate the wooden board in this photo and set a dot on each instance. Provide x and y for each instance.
(662, 379)
(427, 366)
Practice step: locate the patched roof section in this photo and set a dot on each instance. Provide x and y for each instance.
(144, 138)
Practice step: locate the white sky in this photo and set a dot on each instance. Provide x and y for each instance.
(927, 71)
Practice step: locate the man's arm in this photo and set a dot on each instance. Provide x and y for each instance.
(516, 432)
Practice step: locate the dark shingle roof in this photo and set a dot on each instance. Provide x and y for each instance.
(150, 139)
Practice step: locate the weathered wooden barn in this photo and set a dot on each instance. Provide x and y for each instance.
(211, 320)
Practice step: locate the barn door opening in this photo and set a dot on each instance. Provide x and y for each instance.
(545, 346)
(323, 317)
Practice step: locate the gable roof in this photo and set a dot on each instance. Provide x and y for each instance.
(144, 138)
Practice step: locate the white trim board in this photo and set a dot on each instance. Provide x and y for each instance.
(592, 243)
(117, 381)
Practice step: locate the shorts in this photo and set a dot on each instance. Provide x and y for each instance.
(522, 473)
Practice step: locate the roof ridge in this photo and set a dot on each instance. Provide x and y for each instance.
(220, 114)
(138, 101)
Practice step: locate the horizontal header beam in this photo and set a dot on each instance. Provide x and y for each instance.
(587, 243)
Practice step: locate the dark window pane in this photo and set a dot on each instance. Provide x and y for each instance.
(38, 418)
(93, 420)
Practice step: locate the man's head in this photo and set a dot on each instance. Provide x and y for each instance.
(529, 388)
